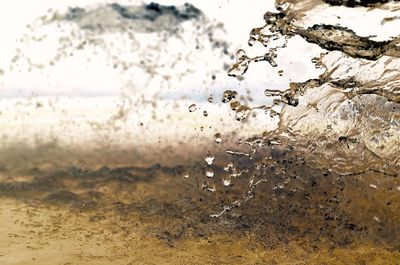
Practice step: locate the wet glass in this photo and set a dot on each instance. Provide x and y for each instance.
(251, 132)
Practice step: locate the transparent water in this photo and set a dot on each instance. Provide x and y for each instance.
(142, 171)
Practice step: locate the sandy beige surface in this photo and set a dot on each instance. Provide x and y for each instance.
(32, 235)
(153, 215)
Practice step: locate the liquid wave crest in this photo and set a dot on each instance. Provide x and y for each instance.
(348, 119)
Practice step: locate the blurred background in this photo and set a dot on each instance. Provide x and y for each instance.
(108, 73)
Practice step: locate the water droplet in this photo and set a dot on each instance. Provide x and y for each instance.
(218, 138)
(210, 99)
(205, 113)
(207, 187)
(227, 181)
(228, 166)
(192, 108)
(228, 96)
(280, 72)
(186, 175)
(241, 55)
(315, 60)
(235, 105)
(281, 5)
(209, 173)
(239, 68)
(251, 180)
(209, 158)
(251, 41)
(242, 113)
(272, 93)
(270, 17)
(373, 186)
(201, 128)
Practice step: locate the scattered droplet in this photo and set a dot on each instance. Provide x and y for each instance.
(228, 166)
(209, 173)
(235, 105)
(192, 108)
(218, 138)
(272, 93)
(207, 187)
(241, 55)
(281, 5)
(228, 96)
(227, 181)
(209, 158)
(239, 68)
(251, 180)
(270, 17)
(314, 60)
(242, 113)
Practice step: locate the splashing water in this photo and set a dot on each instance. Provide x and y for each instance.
(346, 120)
(322, 180)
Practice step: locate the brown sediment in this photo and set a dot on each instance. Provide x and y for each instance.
(153, 214)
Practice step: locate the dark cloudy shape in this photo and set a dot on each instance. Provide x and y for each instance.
(153, 11)
(146, 18)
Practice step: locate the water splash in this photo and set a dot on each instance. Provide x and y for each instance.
(347, 120)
